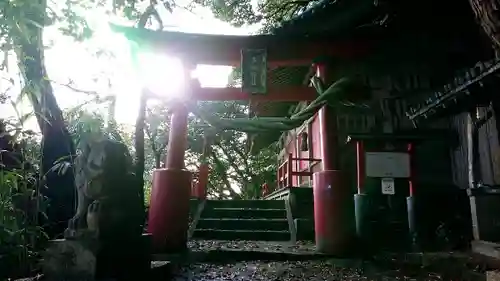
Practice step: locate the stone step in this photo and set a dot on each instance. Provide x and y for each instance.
(251, 235)
(238, 213)
(303, 210)
(243, 224)
(246, 204)
(305, 229)
(193, 205)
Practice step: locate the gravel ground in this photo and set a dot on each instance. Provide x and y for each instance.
(265, 271)
(433, 267)
(438, 266)
(311, 270)
(301, 247)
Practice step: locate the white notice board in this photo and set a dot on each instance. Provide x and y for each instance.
(387, 164)
(388, 186)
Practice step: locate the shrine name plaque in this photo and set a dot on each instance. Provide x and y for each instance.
(254, 71)
(387, 164)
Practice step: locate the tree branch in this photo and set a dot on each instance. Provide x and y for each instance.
(234, 165)
(150, 12)
(223, 173)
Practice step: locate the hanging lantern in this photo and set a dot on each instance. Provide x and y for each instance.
(304, 142)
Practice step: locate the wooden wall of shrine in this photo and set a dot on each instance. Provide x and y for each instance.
(390, 92)
(489, 150)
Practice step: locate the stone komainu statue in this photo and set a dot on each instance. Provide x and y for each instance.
(103, 239)
(109, 201)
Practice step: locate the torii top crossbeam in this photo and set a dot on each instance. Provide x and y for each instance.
(226, 49)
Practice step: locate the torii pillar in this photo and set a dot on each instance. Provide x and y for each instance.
(168, 220)
(332, 197)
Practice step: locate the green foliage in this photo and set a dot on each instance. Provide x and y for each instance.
(234, 172)
(236, 12)
(234, 79)
(269, 13)
(21, 205)
(277, 11)
(157, 131)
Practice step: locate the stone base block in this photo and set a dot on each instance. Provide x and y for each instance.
(87, 260)
(69, 260)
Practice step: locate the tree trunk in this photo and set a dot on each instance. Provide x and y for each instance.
(139, 143)
(157, 160)
(57, 144)
(488, 14)
(141, 118)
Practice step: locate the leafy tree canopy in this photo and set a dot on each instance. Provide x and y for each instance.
(268, 13)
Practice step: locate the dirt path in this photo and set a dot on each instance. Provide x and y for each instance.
(301, 247)
(266, 271)
(310, 271)
(438, 267)
(231, 262)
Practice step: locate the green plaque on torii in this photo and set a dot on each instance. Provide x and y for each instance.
(254, 71)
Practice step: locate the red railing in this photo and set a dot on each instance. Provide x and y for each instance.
(200, 181)
(286, 170)
(194, 183)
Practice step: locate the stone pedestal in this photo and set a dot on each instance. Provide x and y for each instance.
(169, 210)
(124, 258)
(332, 213)
(69, 260)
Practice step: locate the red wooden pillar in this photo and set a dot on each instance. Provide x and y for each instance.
(360, 165)
(171, 191)
(328, 128)
(332, 198)
(201, 186)
(411, 150)
(177, 142)
(411, 200)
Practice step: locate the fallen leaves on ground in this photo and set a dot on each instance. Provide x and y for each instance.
(308, 270)
(432, 267)
(266, 271)
(301, 247)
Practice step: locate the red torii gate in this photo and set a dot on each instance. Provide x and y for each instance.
(169, 206)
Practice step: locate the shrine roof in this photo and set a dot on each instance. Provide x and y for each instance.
(326, 16)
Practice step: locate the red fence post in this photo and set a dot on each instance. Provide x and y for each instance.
(201, 187)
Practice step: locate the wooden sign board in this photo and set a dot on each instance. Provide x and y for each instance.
(387, 164)
(254, 71)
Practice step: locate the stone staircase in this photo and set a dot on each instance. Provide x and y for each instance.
(301, 207)
(257, 220)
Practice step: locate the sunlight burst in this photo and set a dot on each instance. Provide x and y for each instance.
(161, 74)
